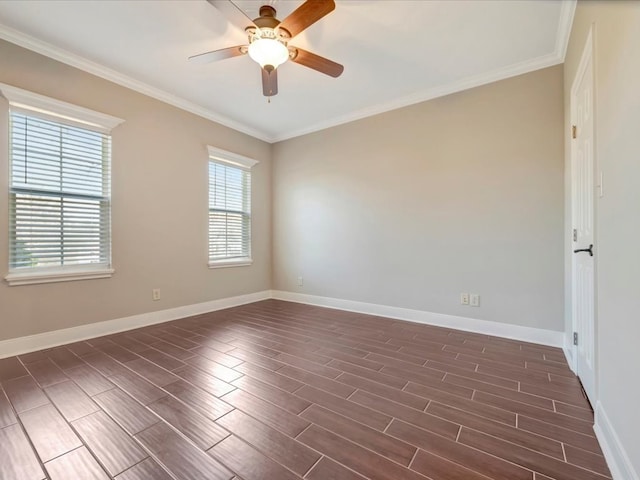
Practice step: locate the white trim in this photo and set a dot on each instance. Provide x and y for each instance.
(567, 348)
(553, 58)
(429, 94)
(30, 277)
(614, 452)
(231, 159)
(567, 12)
(487, 327)
(234, 262)
(31, 343)
(64, 56)
(59, 111)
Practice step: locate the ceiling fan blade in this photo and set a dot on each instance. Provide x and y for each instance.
(216, 55)
(306, 15)
(316, 62)
(233, 13)
(269, 83)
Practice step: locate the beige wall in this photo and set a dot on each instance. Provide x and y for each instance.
(159, 206)
(412, 207)
(617, 136)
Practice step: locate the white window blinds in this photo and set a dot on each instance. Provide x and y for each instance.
(60, 202)
(229, 212)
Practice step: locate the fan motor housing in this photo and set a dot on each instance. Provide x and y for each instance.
(267, 18)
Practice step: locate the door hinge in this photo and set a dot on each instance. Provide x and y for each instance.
(575, 234)
(574, 131)
(575, 338)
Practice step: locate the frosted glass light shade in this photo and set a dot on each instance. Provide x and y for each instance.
(267, 51)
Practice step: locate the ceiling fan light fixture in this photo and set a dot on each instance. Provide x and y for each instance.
(268, 51)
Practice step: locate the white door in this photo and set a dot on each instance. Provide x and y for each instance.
(583, 222)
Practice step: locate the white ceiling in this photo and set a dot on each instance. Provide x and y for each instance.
(395, 53)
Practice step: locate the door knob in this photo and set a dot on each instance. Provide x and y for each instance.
(589, 250)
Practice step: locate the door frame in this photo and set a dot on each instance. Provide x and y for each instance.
(587, 58)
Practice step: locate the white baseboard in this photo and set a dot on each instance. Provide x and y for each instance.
(516, 332)
(617, 459)
(569, 350)
(31, 343)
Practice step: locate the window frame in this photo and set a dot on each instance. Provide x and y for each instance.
(233, 160)
(46, 108)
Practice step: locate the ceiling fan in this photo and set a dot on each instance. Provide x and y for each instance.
(269, 40)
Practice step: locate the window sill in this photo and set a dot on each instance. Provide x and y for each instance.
(56, 275)
(236, 262)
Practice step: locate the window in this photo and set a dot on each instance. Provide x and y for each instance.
(59, 191)
(229, 209)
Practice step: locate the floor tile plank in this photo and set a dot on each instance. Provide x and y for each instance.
(247, 462)
(279, 447)
(269, 376)
(555, 432)
(438, 468)
(7, 416)
(373, 466)
(494, 411)
(151, 372)
(266, 412)
(205, 381)
(202, 431)
(464, 456)
(115, 449)
(19, 461)
(202, 401)
(217, 356)
(180, 457)
(391, 409)
(514, 435)
(11, 368)
(584, 459)
(146, 470)
(136, 386)
(396, 395)
(327, 469)
(218, 370)
(348, 408)
(277, 396)
(50, 434)
(128, 413)
(24, 393)
(525, 457)
(376, 441)
(89, 380)
(72, 402)
(76, 464)
(162, 359)
(317, 381)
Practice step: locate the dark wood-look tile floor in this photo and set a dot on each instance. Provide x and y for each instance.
(276, 390)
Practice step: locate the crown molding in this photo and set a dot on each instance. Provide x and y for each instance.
(567, 12)
(431, 93)
(31, 43)
(556, 57)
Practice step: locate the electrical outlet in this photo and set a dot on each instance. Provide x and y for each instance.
(155, 294)
(474, 300)
(464, 298)
(300, 281)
